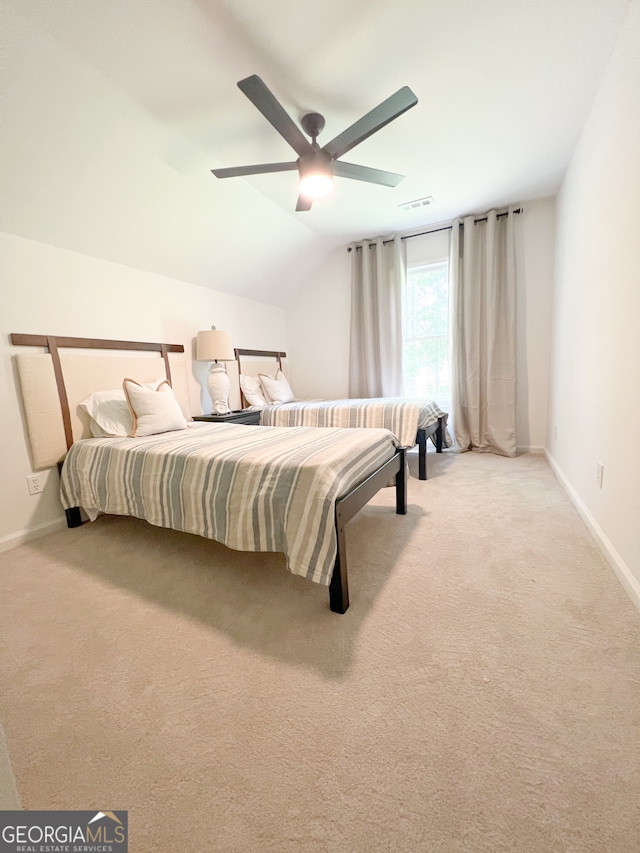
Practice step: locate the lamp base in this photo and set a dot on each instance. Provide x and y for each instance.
(219, 386)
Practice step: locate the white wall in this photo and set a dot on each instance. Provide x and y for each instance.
(46, 290)
(318, 321)
(318, 331)
(428, 248)
(595, 378)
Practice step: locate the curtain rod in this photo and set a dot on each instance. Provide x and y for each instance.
(442, 228)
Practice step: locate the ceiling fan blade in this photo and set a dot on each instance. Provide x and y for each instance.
(365, 173)
(262, 169)
(395, 105)
(304, 203)
(274, 112)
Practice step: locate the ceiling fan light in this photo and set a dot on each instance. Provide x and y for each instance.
(315, 186)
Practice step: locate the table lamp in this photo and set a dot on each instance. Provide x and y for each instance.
(215, 346)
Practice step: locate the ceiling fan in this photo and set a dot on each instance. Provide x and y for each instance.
(316, 165)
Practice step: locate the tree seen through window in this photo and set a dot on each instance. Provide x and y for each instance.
(426, 332)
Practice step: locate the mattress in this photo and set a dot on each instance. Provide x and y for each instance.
(403, 416)
(253, 488)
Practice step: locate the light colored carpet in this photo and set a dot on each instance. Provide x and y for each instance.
(481, 694)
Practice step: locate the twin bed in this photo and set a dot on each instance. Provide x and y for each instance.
(253, 488)
(413, 421)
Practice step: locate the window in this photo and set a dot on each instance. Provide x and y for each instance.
(426, 332)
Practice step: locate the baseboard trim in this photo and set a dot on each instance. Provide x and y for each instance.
(623, 573)
(13, 540)
(9, 798)
(529, 448)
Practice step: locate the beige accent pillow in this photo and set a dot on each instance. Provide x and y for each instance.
(109, 412)
(153, 411)
(277, 390)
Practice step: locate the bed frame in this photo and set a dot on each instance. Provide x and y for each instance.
(436, 430)
(346, 507)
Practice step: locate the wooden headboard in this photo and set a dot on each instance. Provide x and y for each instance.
(53, 383)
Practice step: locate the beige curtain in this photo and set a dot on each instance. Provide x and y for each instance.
(375, 354)
(483, 335)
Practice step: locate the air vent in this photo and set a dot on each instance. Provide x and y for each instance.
(418, 203)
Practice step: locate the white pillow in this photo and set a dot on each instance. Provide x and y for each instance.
(252, 390)
(277, 390)
(153, 411)
(109, 412)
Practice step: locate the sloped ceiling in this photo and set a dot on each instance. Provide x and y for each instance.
(116, 111)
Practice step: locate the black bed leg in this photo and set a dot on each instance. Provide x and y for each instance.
(401, 484)
(339, 587)
(422, 455)
(439, 435)
(73, 517)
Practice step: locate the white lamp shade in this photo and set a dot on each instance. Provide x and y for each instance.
(214, 345)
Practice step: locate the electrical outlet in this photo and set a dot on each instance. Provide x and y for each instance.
(599, 474)
(34, 483)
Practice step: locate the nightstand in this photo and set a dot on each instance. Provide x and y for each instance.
(242, 416)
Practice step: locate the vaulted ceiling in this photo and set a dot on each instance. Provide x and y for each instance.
(117, 110)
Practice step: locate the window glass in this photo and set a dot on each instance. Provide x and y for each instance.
(426, 332)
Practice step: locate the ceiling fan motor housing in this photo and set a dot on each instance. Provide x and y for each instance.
(317, 161)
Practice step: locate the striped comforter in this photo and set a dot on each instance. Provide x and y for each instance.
(404, 416)
(252, 488)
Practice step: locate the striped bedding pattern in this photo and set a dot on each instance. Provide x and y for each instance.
(252, 488)
(404, 416)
